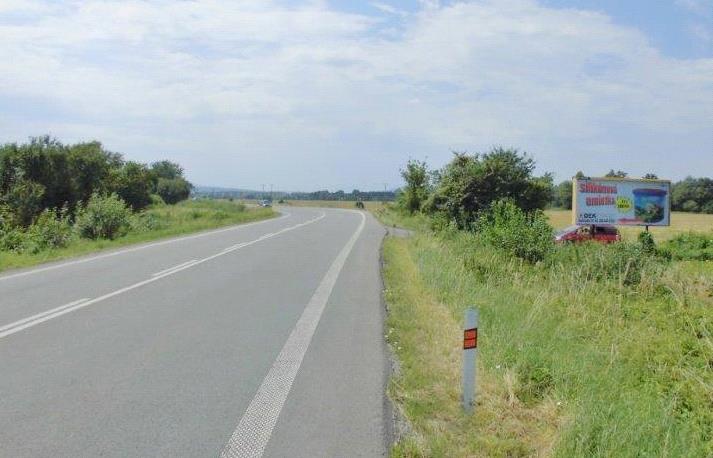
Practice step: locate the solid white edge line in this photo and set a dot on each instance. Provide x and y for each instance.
(174, 267)
(255, 427)
(48, 315)
(140, 247)
(46, 312)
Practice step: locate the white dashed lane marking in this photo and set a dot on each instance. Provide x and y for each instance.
(34, 320)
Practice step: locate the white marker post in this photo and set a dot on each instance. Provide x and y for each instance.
(470, 354)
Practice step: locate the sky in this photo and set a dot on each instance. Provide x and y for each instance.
(337, 94)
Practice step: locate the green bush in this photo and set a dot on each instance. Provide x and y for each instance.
(13, 239)
(692, 246)
(103, 217)
(415, 193)
(648, 245)
(7, 218)
(146, 222)
(50, 230)
(525, 235)
(157, 201)
(471, 184)
(24, 199)
(173, 190)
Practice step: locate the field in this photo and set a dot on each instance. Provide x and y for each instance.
(165, 221)
(680, 223)
(573, 361)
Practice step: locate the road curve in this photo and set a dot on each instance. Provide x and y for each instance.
(257, 340)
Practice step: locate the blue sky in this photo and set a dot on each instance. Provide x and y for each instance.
(670, 25)
(308, 94)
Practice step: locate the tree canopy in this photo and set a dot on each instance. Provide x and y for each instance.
(470, 183)
(46, 174)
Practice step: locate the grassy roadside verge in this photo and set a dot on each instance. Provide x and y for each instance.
(165, 221)
(426, 337)
(569, 365)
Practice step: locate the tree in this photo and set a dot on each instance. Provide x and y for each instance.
(563, 195)
(651, 176)
(133, 183)
(167, 169)
(173, 190)
(42, 161)
(90, 166)
(43, 174)
(24, 200)
(617, 174)
(471, 183)
(690, 206)
(693, 195)
(415, 192)
(169, 182)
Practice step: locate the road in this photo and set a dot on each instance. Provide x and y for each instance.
(257, 340)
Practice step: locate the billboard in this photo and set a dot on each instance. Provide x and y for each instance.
(621, 201)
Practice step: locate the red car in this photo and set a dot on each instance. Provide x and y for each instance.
(577, 234)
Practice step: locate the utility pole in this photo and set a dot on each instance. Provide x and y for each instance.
(271, 193)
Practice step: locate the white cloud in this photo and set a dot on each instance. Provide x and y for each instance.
(240, 89)
(386, 8)
(700, 7)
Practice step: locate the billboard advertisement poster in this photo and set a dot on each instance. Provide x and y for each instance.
(621, 202)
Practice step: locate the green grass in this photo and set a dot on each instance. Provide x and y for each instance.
(167, 221)
(570, 365)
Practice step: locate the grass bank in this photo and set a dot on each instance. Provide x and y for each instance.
(572, 364)
(159, 222)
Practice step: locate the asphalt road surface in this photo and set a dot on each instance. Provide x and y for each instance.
(258, 340)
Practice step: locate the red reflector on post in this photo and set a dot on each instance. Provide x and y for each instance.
(470, 339)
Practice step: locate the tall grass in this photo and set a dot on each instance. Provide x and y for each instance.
(159, 221)
(592, 353)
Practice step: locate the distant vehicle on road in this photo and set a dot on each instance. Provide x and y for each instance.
(578, 234)
(265, 203)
